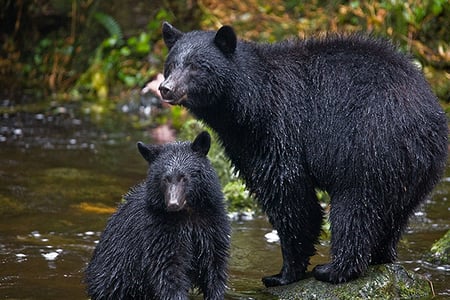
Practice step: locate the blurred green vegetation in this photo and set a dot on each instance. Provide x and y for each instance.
(86, 51)
(78, 49)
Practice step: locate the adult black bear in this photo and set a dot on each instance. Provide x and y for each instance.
(171, 234)
(346, 114)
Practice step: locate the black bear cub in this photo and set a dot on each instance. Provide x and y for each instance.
(348, 114)
(170, 235)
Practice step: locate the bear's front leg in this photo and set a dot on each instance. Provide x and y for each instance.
(173, 288)
(293, 269)
(215, 274)
(170, 279)
(298, 221)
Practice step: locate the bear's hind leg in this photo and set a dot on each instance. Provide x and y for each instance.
(385, 251)
(298, 222)
(213, 280)
(356, 226)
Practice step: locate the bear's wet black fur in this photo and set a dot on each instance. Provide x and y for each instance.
(170, 235)
(348, 114)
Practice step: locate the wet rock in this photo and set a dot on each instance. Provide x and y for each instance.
(390, 281)
(440, 251)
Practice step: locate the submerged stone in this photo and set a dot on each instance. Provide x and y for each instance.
(389, 281)
(10, 206)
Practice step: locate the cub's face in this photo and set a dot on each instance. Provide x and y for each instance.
(176, 181)
(177, 173)
(196, 68)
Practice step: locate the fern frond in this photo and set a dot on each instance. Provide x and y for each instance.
(110, 24)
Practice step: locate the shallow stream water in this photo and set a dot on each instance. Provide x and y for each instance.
(62, 173)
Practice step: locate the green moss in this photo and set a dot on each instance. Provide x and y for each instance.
(79, 186)
(390, 281)
(10, 206)
(440, 251)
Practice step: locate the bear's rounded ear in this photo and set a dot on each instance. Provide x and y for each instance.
(148, 152)
(226, 39)
(202, 143)
(170, 34)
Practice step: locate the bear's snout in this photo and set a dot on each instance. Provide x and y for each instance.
(170, 94)
(175, 195)
(173, 89)
(166, 91)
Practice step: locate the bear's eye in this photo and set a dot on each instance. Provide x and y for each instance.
(166, 179)
(168, 69)
(196, 173)
(182, 178)
(194, 67)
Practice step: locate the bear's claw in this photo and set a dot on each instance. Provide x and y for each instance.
(274, 280)
(327, 273)
(279, 279)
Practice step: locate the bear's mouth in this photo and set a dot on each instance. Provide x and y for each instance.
(176, 101)
(175, 206)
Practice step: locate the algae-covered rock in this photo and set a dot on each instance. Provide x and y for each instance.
(10, 206)
(440, 251)
(78, 185)
(390, 281)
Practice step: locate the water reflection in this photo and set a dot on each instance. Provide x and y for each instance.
(62, 176)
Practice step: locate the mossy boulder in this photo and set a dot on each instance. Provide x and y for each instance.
(390, 281)
(440, 251)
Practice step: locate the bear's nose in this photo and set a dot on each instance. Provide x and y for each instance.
(173, 207)
(166, 91)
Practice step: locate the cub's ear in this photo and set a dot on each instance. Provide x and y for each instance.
(202, 143)
(226, 39)
(148, 152)
(170, 34)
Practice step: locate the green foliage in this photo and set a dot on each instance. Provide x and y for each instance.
(110, 24)
(238, 197)
(49, 62)
(236, 194)
(322, 196)
(404, 13)
(120, 64)
(177, 116)
(421, 27)
(440, 251)
(72, 51)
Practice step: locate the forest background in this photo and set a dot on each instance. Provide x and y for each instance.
(96, 50)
